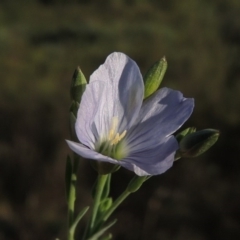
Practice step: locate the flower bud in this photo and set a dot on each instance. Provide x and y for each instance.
(105, 204)
(154, 76)
(72, 119)
(136, 183)
(74, 108)
(196, 143)
(78, 85)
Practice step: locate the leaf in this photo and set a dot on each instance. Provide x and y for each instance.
(102, 231)
(78, 218)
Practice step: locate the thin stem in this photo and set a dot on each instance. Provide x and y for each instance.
(116, 203)
(97, 198)
(72, 198)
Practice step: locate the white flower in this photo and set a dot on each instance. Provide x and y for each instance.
(115, 125)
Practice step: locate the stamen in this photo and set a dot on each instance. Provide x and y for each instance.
(112, 145)
(113, 128)
(122, 135)
(115, 140)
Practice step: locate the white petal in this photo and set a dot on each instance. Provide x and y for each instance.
(88, 153)
(152, 161)
(160, 116)
(122, 97)
(89, 106)
(115, 90)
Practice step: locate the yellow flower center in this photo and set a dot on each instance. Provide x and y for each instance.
(113, 136)
(113, 145)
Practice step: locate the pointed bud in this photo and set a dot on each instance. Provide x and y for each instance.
(78, 85)
(154, 77)
(136, 183)
(195, 144)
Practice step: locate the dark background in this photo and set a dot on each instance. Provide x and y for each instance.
(42, 42)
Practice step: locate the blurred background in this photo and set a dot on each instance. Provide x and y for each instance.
(43, 41)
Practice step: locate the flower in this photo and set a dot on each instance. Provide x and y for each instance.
(115, 125)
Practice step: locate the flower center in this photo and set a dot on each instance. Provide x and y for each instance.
(113, 136)
(113, 145)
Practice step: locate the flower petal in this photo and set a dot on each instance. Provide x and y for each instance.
(160, 116)
(152, 161)
(123, 95)
(115, 90)
(88, 153)
(89, 106)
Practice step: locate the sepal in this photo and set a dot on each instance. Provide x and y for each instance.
(184, 133)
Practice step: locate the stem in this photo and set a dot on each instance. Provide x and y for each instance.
(99, 189)
(117, 202)
(72, 198)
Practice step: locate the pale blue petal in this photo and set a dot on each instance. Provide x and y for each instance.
(115, 90)
(152, 161)
(88, 153)
(89, 106)
(160, 116)
(123, 93)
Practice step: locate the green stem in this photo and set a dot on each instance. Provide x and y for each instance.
(116, 203)
(97, 199)
(72, 198)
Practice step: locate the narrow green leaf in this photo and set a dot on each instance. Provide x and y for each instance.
(78, 218)
(102, 231)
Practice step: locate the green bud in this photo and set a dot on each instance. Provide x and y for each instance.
(74, 108)
(185, 132)
(105, 204)
(78, 85)
(154, 77)
(72, 119)
(136, 183)
(195, 144)
(104, 168)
